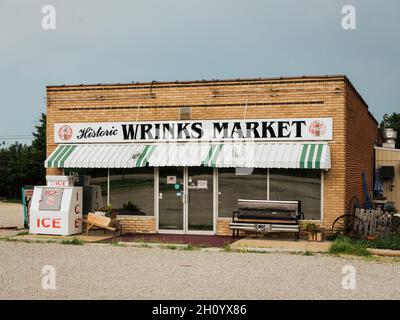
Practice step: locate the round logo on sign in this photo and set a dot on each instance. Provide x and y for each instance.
(50, 201)
(65, 133)
(317, 128)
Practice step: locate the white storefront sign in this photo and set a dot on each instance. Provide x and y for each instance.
(60, 181)
(306, 129)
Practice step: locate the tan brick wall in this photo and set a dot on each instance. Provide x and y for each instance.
(138, 224)
(223, 227)
(361, 136)
(267, 98)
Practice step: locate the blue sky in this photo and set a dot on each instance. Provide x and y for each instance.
(123, 41)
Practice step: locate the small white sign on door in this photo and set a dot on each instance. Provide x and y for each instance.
(201, 184)
(171, 179)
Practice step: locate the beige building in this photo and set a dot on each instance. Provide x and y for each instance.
(391, 186)
(174, 157)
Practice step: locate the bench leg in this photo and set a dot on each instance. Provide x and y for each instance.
(118, 232)
(88, 227)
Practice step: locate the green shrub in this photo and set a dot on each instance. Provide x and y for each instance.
(74, 241)
(348, 246)
(170, 246)
(227, 247)
(23, 233)
(391, 242)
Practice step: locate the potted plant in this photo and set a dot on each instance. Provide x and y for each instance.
(389, 207)
(109, 212)
(313, 233)
(318, 236)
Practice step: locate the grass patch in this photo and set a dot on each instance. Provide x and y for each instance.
(359, 247)
(391, 242)
(73, 241)
(308, 253)
(22, 233)
(169, 246)
(349, 246)
(116, 243)
(191, 247)
(19, 240)
(244, 250)
(227, 248)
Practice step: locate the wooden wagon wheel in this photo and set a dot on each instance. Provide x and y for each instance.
(348, 225)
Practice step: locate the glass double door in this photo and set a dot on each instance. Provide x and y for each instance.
(185, 200)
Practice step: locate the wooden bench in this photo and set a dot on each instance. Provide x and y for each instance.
(102, 222)
(264, 216)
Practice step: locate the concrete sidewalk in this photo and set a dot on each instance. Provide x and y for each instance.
(277, 245)
(281, 245)
(11, 215)
(94, 236)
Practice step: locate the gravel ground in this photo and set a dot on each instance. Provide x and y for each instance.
(111, 272)
(11, 215)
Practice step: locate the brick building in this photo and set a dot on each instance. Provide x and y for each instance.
(174, 157)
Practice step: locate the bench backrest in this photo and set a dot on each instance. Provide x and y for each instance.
(268, 205)
(99, 220)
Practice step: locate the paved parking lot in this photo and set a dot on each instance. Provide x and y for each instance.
(105, 271)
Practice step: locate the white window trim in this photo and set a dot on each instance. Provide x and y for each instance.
(215, 199)
(156, 197)
(268, 184)
(108, 186)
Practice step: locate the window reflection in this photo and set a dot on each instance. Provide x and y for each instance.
(132, 191)
(297, 184)
(239, 184)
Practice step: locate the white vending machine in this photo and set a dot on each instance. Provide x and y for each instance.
(56, 210)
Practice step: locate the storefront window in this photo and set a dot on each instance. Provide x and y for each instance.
(239, 184)
(97, 177)
(297, 184)
(132, 191)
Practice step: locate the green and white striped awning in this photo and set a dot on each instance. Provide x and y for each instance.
(100, 156)
(269, 155)
(226, 155)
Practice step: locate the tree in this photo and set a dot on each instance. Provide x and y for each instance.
(22, 165)
(39, 151)
(393, 121)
